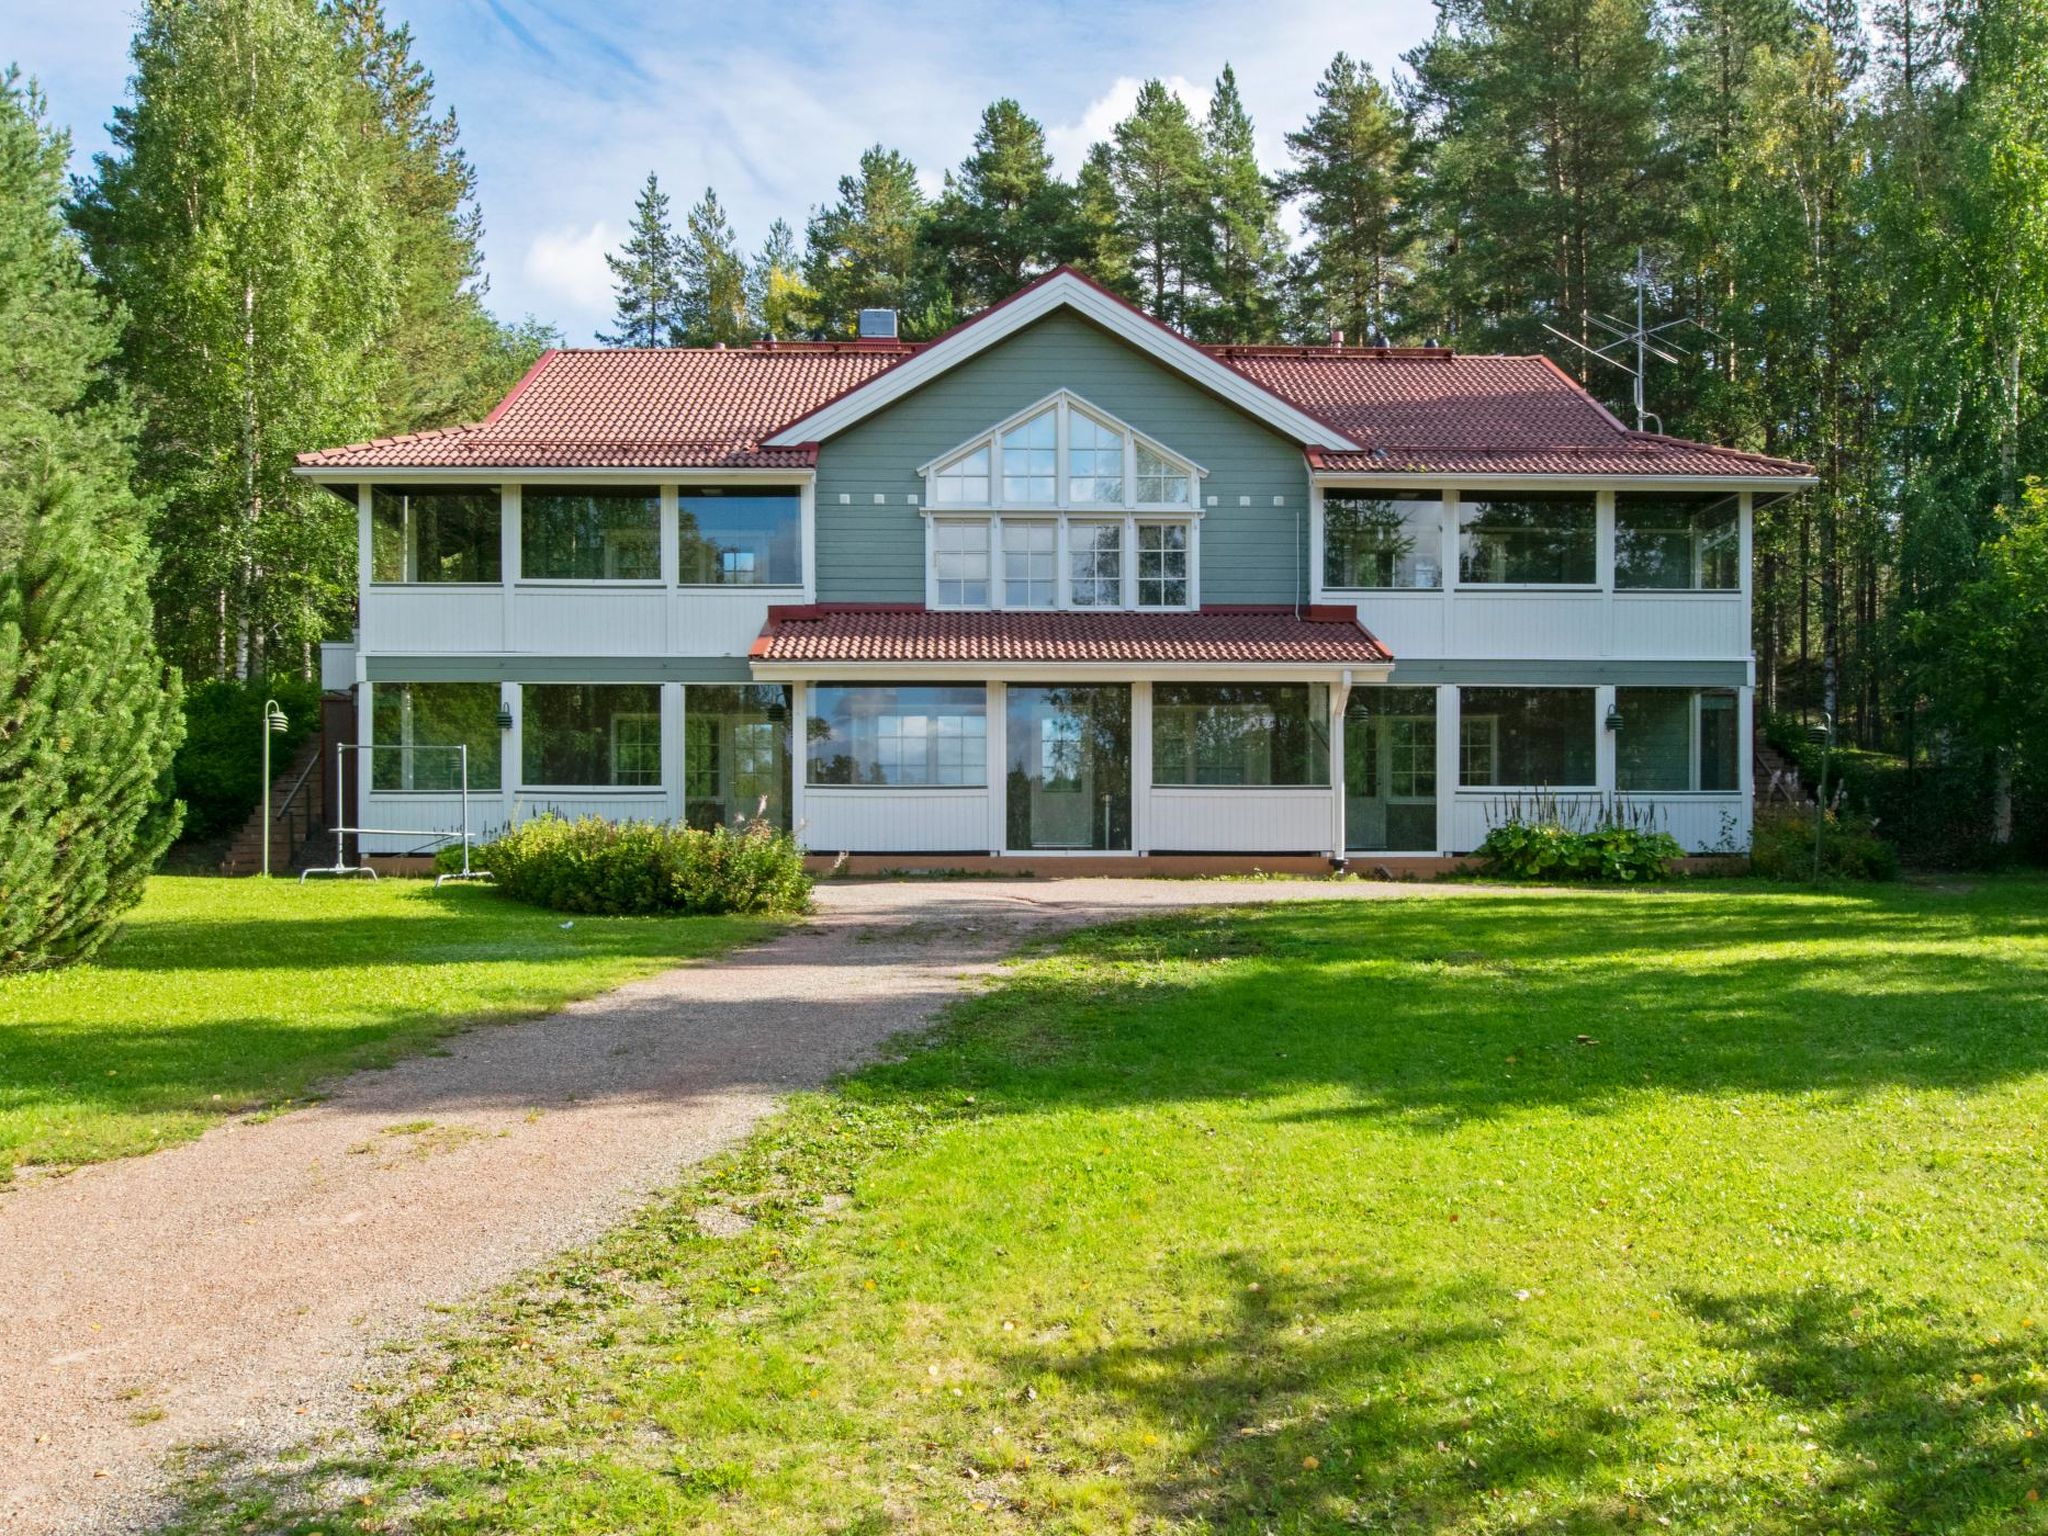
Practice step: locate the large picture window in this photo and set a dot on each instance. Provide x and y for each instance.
(436, 533)
(1528, 738)
(1530, 538)
(1267, 734)
(739, 537)
(1676, 740)
(736, 746)
(426, 723)
(898, 734)
(1371, 540)
(591, 735)
(1674, 542)
(600, 533)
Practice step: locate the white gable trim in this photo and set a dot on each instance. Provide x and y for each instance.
(1062, 290)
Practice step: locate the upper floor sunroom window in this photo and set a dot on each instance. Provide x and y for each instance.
(1062, 454)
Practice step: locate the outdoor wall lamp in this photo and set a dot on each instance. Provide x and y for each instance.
(504, 718)
(1613, 718)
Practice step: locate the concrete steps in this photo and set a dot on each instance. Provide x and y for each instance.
(292, 834)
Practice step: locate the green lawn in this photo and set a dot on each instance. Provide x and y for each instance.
(1720, 1209)
(223, 996)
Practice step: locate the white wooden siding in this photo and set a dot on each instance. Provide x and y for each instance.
(1241, 820)
(426, 618)
(589, 620)
(1703, 823)
(896, 820)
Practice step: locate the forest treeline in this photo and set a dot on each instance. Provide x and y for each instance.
(1848, 208)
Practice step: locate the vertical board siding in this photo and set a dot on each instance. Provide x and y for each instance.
(874, 552)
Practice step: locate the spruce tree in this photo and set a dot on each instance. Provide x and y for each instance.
(1162, 184)
(1003, 218)
(243, 221)
(647, 281)
(1249, 250)
(711, 279)
(88, 713)
(776, 294)
(867, 251)
(1354, 174)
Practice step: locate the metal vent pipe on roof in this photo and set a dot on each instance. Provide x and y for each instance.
(878, 325)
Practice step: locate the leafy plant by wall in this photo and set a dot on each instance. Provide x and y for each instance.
(218, 771)
(639, 868)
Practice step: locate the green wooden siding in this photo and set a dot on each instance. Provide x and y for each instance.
(873, 551)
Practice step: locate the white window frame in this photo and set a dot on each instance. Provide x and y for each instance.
(1063, 403)
(1063, 572)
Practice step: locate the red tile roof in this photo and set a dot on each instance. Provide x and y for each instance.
(1429, 411)
(869, 632)
(1417, 411)
(639, 408)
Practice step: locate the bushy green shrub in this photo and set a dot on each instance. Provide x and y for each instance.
(1549, 850)
(625, 868)
(1938, 813)
(219, 769)
(1781, 847)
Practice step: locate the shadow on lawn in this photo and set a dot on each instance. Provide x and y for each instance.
(1435, 1012)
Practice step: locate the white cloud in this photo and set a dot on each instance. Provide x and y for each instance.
(1070, 142)
(568, 264)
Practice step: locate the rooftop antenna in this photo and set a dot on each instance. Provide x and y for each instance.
(1647, 340)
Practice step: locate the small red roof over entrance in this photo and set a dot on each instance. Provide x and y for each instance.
(1226, 636)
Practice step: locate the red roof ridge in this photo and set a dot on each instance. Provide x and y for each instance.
(1734, 453)
(547, 356)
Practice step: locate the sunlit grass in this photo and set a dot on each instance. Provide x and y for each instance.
(1713, 1210)
(223, 996)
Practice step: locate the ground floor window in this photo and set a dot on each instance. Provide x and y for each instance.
(898, 734)
(1390, 769)
(1676, 739)
(1069, 777)
(591, 735)
(1241, 733)
(1535, 738)
(426, 723)
(736, 747)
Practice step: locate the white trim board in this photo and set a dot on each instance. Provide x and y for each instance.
(1062, 290)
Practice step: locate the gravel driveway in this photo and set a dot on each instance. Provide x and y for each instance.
(227, 1292)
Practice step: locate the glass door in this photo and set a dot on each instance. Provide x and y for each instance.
(1069, 780)
(1390, 770)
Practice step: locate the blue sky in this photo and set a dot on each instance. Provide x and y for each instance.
(565, 106)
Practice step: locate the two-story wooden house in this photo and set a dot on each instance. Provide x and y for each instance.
(1057, 582)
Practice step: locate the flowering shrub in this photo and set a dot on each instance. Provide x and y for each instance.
(638, 868)
(1782, 847)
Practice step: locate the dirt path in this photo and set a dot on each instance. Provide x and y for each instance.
(228, 1292)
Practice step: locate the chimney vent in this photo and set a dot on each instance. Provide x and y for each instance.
(1337, 337)
(878, 325)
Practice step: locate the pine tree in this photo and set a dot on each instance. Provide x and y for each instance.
(711, 278)
(647, 285)
(242, 221)
(448, 355)
(1101, 245)
(1249, 249)
(1545, 169)
(867, 251)
(1162, 185)
(776, 293)
(88, 714)
(1354, 172)
(1004, 217)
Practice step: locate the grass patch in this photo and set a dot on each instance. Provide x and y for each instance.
(1710, 1210)
(223, 997)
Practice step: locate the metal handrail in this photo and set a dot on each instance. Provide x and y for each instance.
(298, 784)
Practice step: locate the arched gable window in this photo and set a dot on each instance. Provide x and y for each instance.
(1062, 506)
